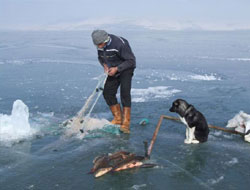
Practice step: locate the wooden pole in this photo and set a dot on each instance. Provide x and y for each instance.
(155, 135)
(210, 126)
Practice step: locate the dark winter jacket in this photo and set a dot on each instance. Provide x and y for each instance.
(118, 53)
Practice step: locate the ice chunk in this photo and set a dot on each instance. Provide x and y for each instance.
(241, 123)
(15, 127)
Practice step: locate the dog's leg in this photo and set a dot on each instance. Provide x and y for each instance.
(192, 137)
(194, 141)
(188, 140)
(187, 133)
(191, 133)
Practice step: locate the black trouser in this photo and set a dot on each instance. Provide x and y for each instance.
(112, 84)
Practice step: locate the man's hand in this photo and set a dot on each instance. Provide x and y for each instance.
(106, 68)
(112, 71)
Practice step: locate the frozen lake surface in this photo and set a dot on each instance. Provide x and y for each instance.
(51, 74)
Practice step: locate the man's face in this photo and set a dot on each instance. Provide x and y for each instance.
(101, 45)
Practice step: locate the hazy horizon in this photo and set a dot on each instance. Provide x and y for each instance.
(156, 15)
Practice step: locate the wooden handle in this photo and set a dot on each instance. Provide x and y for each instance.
(210, 126)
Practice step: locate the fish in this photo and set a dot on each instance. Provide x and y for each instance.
(102, 171)
(129, 165)
(105, 161)
(118, 161)
(100, 162)
(131, 161)
(120, 154)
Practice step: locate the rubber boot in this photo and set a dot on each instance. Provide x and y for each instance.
(116, 111)
(126, 120)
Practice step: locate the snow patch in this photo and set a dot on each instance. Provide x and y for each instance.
(182, 76)
(205, 77)
(152, 93)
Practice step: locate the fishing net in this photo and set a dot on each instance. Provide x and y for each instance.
(82, 118)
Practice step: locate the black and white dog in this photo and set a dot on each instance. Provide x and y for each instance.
(197, 128)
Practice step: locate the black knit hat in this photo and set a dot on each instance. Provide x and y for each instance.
(99, 36)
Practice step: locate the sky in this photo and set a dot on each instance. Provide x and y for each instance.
(152, 14)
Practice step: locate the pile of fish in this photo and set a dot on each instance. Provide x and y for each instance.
(123, 160)
(118, 161)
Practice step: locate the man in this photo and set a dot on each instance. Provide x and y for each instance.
(118, 60)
